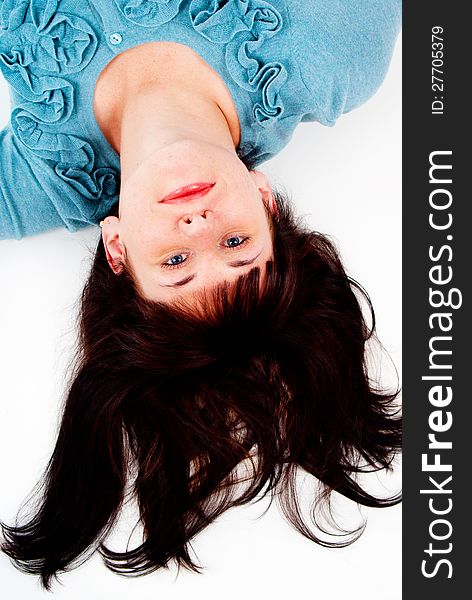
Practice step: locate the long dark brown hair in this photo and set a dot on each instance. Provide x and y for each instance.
(171, 402)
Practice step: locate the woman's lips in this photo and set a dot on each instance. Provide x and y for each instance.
(187, 193)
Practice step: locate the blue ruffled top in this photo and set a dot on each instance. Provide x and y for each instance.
(283, 61)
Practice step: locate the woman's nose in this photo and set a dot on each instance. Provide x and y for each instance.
(196, 223)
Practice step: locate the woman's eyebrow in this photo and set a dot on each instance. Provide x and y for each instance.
(243, 263)
(234, 264)
(181, 282)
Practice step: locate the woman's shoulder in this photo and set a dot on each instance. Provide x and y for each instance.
(343, 50)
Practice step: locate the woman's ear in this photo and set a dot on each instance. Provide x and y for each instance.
(114, 247)
(265, 189)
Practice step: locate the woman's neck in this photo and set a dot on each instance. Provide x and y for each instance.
(160, 96)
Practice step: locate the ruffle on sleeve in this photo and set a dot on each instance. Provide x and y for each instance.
(149, 13)
(245, 26)
(38, 43)
(43, 39)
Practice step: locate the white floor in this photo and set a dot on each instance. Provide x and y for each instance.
(347, 180)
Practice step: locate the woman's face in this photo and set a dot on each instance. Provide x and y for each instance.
(177, 247)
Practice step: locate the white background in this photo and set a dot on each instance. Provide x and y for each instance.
(347, 180)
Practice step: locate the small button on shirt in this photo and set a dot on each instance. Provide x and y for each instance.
(115, 39)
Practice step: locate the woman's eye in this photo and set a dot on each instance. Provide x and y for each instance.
(175, 261)
(235, 240)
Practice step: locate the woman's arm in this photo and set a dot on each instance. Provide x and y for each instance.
(343, 50)
(37, 194)
(25, 207)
